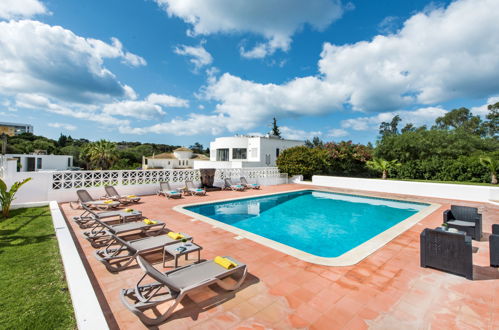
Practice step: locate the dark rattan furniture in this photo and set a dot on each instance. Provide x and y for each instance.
(494, 246)
(465, 219)
(450, 252)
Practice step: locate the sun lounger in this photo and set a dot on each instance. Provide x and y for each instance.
(118, 253)
(84, 198)
(245, 183)
(190, 189)
(165, 190)
(101, 232)
(87, 218)
(175, 284)
(112, 194)
(231, 186)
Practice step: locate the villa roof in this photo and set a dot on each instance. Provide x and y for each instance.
(165, 155)
(182, 149)
(170, 155)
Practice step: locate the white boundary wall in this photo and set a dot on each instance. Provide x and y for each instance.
(61, 186)
(86, 306)
(438, 190)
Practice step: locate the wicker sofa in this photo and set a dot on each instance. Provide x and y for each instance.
(465, 219)
(447, 251)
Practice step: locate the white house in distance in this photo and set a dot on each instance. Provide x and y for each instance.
(179, 158)
(246, 151)
(35, 162)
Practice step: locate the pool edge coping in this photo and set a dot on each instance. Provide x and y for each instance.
(349, 258)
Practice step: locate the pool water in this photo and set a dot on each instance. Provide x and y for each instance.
(320, 223)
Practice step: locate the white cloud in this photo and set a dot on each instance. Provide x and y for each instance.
(249, 103)
(419, 117)
(167, 100)
(43, 59)
(67, 127)
(136, 109)
(389, 25)
(483, 110)
(14, 9)
(437, 55)
(199, 55)
(79, 111)
(337, 132)
(275, 20)
(194, 124)
(297, 134)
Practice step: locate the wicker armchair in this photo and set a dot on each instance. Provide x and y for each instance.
(450, 252)
(465, 219)
(494, 246)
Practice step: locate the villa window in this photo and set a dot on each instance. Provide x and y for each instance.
(223, 155)
(38, 163)
(69, 161)
(277, 152)
(239, 153)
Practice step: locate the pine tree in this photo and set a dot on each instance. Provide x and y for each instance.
(275, 129)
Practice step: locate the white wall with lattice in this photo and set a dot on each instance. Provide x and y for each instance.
(61, 186)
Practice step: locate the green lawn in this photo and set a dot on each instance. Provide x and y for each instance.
(33, 290)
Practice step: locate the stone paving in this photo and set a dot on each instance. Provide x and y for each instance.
(386, 290)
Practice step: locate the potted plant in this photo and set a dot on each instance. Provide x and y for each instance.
(184, 241)
(444, 226)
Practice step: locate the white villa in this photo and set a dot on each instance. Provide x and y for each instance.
(179, 158)
(246, 151)
(35, 162)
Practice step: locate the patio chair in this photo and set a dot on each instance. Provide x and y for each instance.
(118, 253)
(465, 219)
(87, 218)
(165, 190)
(494, 246)
(231, 186)
(173, 285)
(245, 183)
(447, 251)
(84, 198)
(101, 232)
(111, 193)
(190, 189)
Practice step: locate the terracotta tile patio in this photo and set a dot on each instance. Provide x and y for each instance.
(387, 290)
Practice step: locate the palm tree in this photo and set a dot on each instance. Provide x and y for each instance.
(101, 154)
(382, 165)
(492, 164)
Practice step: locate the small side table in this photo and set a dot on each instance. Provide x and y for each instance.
(131, 216)
(172, 250)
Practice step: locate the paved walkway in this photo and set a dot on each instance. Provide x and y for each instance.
(387, 290)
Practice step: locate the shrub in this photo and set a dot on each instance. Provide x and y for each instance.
(302, 161)
(347, 159)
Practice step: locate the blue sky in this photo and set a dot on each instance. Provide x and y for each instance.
(182, 71)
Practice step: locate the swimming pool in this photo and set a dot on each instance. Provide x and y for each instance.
(317, 223)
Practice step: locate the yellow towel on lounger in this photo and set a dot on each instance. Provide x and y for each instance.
(128, 210)
(175, 235)
(131, 196)
(150, 222)
(225, 262)
(108, 202)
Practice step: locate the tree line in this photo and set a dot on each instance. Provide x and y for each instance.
(460, 146)
(92, 155)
